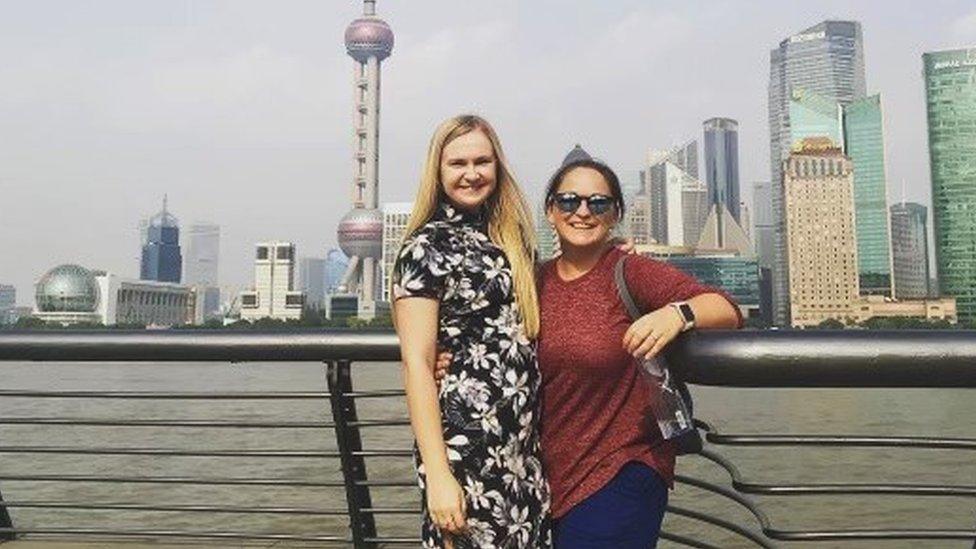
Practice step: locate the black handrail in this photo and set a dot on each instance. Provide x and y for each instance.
(746, 358)
(944, 359)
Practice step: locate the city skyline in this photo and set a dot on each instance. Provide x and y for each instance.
(268, 104)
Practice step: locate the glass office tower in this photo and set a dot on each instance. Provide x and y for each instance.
(864, 144)
(910, 250)
(161, 257)
(721, 145)
(950, 94)
(826, 59)
(813, 115)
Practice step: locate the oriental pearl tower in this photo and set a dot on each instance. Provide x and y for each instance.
(369, 40)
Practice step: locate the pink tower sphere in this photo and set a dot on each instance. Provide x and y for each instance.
(369, 37)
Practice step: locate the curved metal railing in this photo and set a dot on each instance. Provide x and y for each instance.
(727, 359)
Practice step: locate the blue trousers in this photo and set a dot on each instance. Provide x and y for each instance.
(624, 514)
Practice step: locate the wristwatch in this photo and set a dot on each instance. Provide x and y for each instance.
(687, 315)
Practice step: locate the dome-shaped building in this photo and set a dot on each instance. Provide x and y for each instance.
(67, 289)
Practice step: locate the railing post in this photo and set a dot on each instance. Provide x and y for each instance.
(5, 522)
(362, 524)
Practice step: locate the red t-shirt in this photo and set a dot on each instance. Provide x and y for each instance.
(595, 403)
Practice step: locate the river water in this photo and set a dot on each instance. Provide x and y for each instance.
(910, 412)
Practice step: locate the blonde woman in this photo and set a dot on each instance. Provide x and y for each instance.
(464, 282)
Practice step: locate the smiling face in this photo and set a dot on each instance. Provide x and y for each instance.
(469, 170)
(582, 228)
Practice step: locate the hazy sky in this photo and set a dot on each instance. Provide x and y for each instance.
(241, 110)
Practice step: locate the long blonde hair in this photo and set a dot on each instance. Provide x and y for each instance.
(510, 224)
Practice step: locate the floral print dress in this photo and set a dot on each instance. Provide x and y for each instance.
(489, 398)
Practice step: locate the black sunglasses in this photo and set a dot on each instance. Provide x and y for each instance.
(570, 202)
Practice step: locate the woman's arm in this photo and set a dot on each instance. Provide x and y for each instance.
(416, 324)
(649, 334)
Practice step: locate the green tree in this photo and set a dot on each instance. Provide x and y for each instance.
(831, 324)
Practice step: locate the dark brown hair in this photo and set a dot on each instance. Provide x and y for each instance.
(608, 175)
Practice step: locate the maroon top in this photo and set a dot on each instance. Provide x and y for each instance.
(594, 400)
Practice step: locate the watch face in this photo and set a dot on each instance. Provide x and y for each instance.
(687, 312)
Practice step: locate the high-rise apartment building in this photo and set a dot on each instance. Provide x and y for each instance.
(826, 59)
(721, 144)
(161, 257)
(201, 265)
(395, 218)
(821, 248)
(950, 93)
(274, 294)
(910, 250)
(311, 281)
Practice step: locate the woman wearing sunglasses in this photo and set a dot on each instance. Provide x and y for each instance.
(608, 467)
(464, 281)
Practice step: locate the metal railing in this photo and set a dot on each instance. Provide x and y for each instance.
(770, 359)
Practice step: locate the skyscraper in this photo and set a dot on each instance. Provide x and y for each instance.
(950, 93)
(274, 294)
(910, 250)
(763, 235)
(311, 281)
(369, 40)
(161, 257)
(864, 144)
(826, 59)
(683, 156)
(202, 254)
(819, 199)
(202, 260)
(721, 143)
(336, 263)
(813, 115)
(858, 127)
(678, 203)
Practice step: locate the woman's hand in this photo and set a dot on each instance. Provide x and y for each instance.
(652, 332)
(445, 502)
(440, 367)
